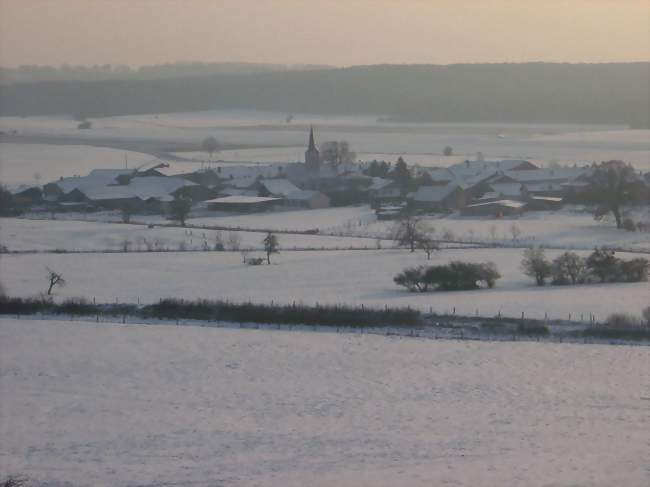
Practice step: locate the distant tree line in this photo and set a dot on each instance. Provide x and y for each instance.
(500, 93)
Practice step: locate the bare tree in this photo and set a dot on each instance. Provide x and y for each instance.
(180, 209)
(409, 231)
(493, 232)
(614, 184)
(210, 145)
(270, 246)
(54, 279)
(515, 231)
(234, 241)
(427, 244)
(337, 152)
(14, 481)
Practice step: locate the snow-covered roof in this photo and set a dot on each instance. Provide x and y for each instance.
(96, 178)
(507, 189)
(279, 187)
(507, 203)
(157, 187)
(379, 183)
(548, 174)
(242, 199)
(434, 193)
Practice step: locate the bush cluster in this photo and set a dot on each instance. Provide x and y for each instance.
(219, 310)
(569, 268)
(455, 276)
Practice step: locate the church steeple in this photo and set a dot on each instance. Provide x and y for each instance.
(312, 156)
(312, 145)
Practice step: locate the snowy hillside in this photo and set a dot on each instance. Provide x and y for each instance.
(113, 405)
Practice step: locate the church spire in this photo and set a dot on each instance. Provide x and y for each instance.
(312, 145)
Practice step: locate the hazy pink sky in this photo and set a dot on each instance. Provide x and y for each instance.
(340, 32)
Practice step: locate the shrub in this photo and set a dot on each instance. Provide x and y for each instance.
(414, 279)
(602, 264)
(536, 329)
(534, 264)
(455, 276)
(635, 270)
(569, 268)
(646, 315)
(629, 225)
(255, 261)
(76, 306)
(607, 268)
(620, 325)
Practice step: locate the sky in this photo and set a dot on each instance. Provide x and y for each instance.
(335, 32)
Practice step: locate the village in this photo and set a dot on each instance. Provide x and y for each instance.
(490, 189)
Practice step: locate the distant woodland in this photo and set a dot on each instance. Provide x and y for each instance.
(617, 93)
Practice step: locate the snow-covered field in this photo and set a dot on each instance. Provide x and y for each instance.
(22, 234)
(116, 405)
(39, 164)
(425, 142)
(354, 277)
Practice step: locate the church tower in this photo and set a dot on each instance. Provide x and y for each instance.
(312, 156)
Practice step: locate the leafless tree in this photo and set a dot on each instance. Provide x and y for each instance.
(270, 246)
(210, 145)
(234, 241)
(427, 244)
(515, 231)
(408, 231)
(54, 279)
(14, 481)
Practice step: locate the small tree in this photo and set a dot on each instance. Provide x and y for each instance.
(126, 213)
(428, 244)
(515, 231)
(409, 231)
(448, 151)
(614, 184)
(337, 152)
(569, 268)
(54, 279)
(210, 145)
(604, 265)
(180, 209)
(233, 241)
(646, 315)
(535, 265)
(270, 246)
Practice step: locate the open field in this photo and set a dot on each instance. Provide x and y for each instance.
(19, 163)
(275, 140)
(106, 405)
(315, 277)
(49, 235)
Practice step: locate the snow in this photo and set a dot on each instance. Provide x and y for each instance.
(242, 199)
(417, 143)
(43, 235)
(21, 163)
(108, 405)
(333, 277)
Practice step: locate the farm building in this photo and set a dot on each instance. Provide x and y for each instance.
(438, 198)
(495, 209)
(243, 204)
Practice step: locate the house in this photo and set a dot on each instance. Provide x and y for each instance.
(243, 204)
(495, 209)
(292, 195)
(307, 199)
(447, 197)
(277, 187)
